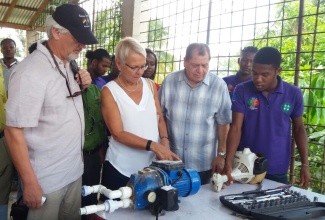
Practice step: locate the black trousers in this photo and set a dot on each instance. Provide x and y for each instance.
(112, 178)
(91, 176)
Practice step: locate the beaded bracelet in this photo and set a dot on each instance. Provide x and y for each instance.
(164, 137)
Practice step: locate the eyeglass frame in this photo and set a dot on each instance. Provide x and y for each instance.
(136, 69)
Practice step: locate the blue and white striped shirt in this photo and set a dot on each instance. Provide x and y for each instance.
(192, 115)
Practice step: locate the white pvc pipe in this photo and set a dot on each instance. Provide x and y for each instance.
(87, 190)
(126, 192)
(109, 193)
(87, 210)
(121, 193)
(109, 206)
(125, 203)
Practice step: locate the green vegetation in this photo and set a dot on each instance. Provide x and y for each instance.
(107, 26)
(157, 40)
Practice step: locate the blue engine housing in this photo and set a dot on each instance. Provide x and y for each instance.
(163, 173)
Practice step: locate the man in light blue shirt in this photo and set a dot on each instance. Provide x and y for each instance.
(197, 109)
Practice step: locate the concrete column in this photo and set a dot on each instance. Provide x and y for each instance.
(31, 37)
(132, 17)
(127, 17)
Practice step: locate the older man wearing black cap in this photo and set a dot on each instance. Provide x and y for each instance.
(45, 123)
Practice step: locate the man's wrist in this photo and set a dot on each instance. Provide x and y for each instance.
(164, 137)
(222, 154)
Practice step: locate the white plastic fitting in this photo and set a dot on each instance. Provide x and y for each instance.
(87, 210)
(125, 203)
(126, 192)
(217, 181)
(122, 193)
(108, 206)
(87, 190)
(109, 193)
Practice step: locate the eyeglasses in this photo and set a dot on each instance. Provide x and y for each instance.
(135, 69)
(92, 125)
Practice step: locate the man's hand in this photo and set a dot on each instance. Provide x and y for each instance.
(32, 195)
(218, 164)
(304, 177)
(227, 171)
(84, 75)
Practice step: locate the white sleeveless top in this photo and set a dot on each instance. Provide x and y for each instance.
(140, 120)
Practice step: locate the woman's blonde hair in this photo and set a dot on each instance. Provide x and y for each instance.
(126, 45)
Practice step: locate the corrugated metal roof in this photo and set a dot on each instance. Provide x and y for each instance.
(24, 14)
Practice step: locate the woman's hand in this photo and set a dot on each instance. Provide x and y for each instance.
(163, 152)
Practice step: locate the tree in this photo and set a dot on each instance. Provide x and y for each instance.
(22, 37)
(157, 34)
(107, 26)
(157, 39)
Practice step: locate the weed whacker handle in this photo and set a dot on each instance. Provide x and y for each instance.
(217, 181)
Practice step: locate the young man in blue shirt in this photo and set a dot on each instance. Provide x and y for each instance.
(245, 62)
(263, 110)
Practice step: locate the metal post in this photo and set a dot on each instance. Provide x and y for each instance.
(296, 82)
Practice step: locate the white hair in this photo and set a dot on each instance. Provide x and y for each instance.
(51, 23)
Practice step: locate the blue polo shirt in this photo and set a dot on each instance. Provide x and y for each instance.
(99, 82)
(232, 81)
(267, 121)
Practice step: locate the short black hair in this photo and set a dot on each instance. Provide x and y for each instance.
(98, 54)
(7, 39)
(149, 51)
(249, 49)
(268, 55)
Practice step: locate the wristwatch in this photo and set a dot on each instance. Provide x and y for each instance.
(223, 154)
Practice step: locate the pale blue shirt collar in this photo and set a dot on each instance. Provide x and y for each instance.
(182, 77)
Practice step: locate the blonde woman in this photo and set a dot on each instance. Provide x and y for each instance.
(130, 110)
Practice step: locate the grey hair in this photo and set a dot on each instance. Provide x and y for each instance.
(51, 23)
(125, 45)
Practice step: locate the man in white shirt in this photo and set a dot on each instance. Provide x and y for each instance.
(45, 123)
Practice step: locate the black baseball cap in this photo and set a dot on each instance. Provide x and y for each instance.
(76, 20)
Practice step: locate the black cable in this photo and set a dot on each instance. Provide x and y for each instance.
(157, 209)
(179, 174)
